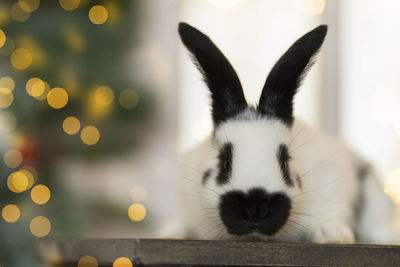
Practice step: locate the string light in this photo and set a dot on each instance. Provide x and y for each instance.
(18, 13)
(71, 125)
(7, 82)
(2, 38)
(69, 4)
(40, 226)
(21, 59)
(6, 97)
(128, 98)
(138, 193)
(57, 98)
(11, 213)
(90, 135)
(40, 194)
(87, 261)
(98, 14)
(103, 96)
(12, 158)
(29, 5)
(122, 262)
(137, 212)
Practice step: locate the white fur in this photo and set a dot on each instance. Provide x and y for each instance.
(322, 211)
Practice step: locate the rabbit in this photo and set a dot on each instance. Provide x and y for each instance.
(264, 174)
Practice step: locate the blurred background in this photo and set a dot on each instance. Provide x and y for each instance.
(98, 99)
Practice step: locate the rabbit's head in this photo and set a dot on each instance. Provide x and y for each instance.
(252, 171)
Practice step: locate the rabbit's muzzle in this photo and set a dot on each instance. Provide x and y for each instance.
(254, 211)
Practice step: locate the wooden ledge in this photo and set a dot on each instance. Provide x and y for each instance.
(156, 252)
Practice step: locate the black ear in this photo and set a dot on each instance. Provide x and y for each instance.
(285, 77)
(226, 90)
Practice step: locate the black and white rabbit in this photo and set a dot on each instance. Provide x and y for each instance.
(265, 174)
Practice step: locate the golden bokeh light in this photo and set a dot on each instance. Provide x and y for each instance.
(122, 262)
(21, 59)
(137, 212)
(8, 47)
(69, 4)
(18, 14)
(98, 14)
(75, 39)
(29, 5)
(90, 135)
(128, 98)
(29, 176)
(138, 193)
(7, 82)
(392, 185)
(103, 96)
(2, 38)
(40, 194)
(6, 97)
(31, 170)
(35, 87)
(57, 98)
(43, 96)
(12, 158)
(11, 213)
(71, 125)
(18, 182)
(87, 261)
(40, 226)
(8, 122)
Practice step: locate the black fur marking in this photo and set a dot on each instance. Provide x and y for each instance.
(225, 164)
(256, 211)
(285, 77)
(206, 176)
(226, 91)
(298, 180)
(283, 158)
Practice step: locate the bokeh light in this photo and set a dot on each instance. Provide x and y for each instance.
(12, 158)
(8, 47)
(11, 213)
(71, 125)
(128, 98)
(29, 175)
(29, 5)
(57, 98)
(90, 135)
(7, 82)
(35, 87)
(2, 38)
(137, 212)
(104, 96)
(98, 14)
(18, 182)
(122, 262)
(138, 193)
(43, 96)
(40, 226)
(69, 4)
(18, 14)
(8, 122)
(87, 261)
(40, 194)
(6, 97)
(21, 59)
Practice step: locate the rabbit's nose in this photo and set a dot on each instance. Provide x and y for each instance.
(255, 211)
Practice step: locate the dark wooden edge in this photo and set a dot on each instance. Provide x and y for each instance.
(156, 252)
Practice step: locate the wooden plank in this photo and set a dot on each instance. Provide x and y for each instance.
(156, 252)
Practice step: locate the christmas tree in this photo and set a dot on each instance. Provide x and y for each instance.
(65, 91)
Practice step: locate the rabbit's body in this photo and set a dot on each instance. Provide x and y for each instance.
(264, 174)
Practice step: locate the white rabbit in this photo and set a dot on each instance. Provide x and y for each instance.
(264, 174)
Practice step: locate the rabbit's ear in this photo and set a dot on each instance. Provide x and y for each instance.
(285, 77)
(226, 91)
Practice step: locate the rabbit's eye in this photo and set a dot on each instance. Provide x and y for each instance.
(227, 164)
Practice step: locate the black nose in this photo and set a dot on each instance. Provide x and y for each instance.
(255, 211)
